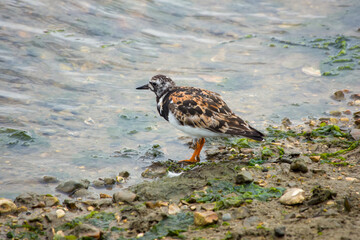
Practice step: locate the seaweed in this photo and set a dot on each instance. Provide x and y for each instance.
(226, 194)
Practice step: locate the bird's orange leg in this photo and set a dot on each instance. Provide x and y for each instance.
(196, 155)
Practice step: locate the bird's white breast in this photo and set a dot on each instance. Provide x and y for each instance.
(193, 131)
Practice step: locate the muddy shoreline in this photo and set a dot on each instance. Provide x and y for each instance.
(240, 192)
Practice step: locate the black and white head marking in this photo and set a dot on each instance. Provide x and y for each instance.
(160, 85)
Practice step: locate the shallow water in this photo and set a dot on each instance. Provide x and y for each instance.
(68, 72)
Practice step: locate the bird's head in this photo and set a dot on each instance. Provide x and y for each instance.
(159, 84)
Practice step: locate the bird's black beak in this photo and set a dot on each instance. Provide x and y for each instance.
(146, 86)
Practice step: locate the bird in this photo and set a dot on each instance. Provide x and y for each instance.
(197, 112)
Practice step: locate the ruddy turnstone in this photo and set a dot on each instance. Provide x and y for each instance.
(197, 112)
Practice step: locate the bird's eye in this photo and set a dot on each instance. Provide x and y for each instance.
(154, 84)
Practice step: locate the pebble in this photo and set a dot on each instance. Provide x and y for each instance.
(173, 209)
(338, 96)
(50, 179)
(154, 171)
(71, 186)
(98, 183)
(7, 206)
(124, 174)
(315, 158)
(244, 177)
(241, 213)
(124, 196)
(208, 206)
(193, 208)
(81, 193)
(355, 133)
(293, 196)
(299, 165)
(335, 113)
(109, 181)
(226, 217)
(60, 213)
(280, 231)
(205, 218)
(85, 231)
(351, 179)
(104, 195)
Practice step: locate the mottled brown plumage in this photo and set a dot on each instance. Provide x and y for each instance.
(198, 112)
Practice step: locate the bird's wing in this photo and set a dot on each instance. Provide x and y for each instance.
(201, 108)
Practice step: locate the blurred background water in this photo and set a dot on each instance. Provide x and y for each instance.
(68, 72)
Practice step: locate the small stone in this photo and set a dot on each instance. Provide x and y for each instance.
(86, 231)
(193, 208)
(279, 231)
(347, 204)
(286, 122)
(71, 204)
(71, 186)
(226, 217)
(247, 150)
(81, 193)
(244, 177)
(51, 201)
(334, 120)
(355, 96)
(208, 206)
(98, 183)
(299, 165)
(344, 119)
(355, 133)
(154, 171)
(205, 218)
(330, 202)
(49, 179)
(320, 195)
(60, 213)
(104, 195)
(293, 196)
(174, 209)
(124, 174)
(7, 206)
(338, 96)
(335, 113)
(241, 213)
(109, 181)
(351, 179)
(124, 196)
(315, 158)
(347, 112)
(90, 208)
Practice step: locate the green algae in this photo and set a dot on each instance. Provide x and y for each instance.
(11, 137)
(328, 130)
(95, 218)
(226, 194)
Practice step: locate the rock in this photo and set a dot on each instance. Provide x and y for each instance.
(208, 206)
(7, 206)
(98, 183)
(193, 208)
(335, 113)
(205, 218)
(71, 204)
(338, 96)
(124, 196)
(124, 174)
(26, 199)
(109, 181)
(81, 193)
(298, 165)
(49, 179)
(251, 221)
(355, 133)
(51, 201)
(347, 204)
(244, 177)
(286, 122)
(226, 217)
(100, 203)
(155, 170)
(60, 213)
(241, 213)
(315, 158)
(86, 231)
(71, 186)
(355, 96)
(247, 150)
(293, 196)
(104, 195)
(280, 231)
(174, 209)
(320, 195)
